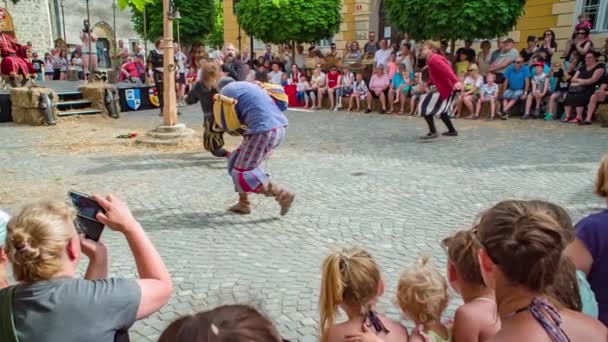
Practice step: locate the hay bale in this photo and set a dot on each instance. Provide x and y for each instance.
(95, 92)
(601, 115)
(25, 102)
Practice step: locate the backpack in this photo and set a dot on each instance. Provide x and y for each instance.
(8, 333)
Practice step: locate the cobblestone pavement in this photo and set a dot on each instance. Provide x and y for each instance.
(360, 179)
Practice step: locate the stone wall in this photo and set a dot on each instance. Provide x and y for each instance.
(100, 12)
(32, 22)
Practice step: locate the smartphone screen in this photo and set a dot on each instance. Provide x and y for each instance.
(86, 220)
(87, 207)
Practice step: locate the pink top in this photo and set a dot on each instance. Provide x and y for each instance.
(392, 69)
(441, 74)
(379, 82)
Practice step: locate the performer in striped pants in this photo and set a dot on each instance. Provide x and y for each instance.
(439, 103)
(249, 106)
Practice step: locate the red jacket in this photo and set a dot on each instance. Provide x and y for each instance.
(441, 74)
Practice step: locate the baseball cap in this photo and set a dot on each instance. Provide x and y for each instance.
(4, 218)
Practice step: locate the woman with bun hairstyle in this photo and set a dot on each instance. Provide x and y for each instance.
(521, 252)
(229, 323)
(51, 303)
(351, 280)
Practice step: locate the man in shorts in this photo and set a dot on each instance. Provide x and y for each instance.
(516, 85)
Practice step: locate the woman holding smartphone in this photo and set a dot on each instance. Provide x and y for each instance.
(51, 303)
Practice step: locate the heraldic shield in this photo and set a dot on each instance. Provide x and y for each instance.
(133, 98)
(153, 97)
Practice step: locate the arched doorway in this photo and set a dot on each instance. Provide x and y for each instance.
(105, 41)
(385, 29)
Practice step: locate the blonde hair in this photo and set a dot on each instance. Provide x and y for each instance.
(37, 237)
(422, 293)
(211, 75)
(350, 276)
(462, 248)
(601, 182)
(433, 45)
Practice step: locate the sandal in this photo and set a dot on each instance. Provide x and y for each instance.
(585, 123)
(575, 120)
(566, 119)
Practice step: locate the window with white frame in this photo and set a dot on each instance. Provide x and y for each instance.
(597, 11)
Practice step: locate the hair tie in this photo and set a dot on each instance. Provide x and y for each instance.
(215, 329)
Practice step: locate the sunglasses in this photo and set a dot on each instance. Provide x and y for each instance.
(548, 34)
(581, 33)
(518, 62)
(472, 70)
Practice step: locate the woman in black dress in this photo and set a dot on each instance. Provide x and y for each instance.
(582, 86)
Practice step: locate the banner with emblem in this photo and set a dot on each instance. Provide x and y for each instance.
(153, 97)
(133, 98)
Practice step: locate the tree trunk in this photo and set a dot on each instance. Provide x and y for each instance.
(453, 47)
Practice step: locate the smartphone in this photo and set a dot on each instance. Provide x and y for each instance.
(86, 217)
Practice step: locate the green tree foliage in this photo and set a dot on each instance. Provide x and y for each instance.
(137, 4)
(216, 38)
(197, 19)
(281, 21)
(454, 19)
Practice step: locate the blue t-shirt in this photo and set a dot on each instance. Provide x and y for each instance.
(255, 108)
(592, 231)
(517, 78)
(397, 80)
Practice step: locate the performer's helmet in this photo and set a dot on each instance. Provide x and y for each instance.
(224, 81)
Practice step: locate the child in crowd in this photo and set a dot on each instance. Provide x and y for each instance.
(584, 21)
(418, 89)
(360, 92)
(345, 88)
(301, 88)
(562, 82)
(391, 65)
(191, 78)
(351, 281)
(4, 218)
(38, 67)
(48, 67)
(489, 93)
(462, 65)
(476, 319)
(422, 295)
(540, 88)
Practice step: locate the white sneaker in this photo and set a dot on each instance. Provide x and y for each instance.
(336, 109)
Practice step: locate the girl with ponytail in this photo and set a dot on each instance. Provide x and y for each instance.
(351, 281)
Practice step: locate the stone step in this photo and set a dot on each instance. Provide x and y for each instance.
(170, 135)
(84, 111)
(72, 103)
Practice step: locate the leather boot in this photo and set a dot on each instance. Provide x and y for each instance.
(243, 206)
(284, 197)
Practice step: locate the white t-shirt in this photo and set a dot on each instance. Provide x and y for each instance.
(475, 82)
(181, 62)
(382, 56)
(275, 77)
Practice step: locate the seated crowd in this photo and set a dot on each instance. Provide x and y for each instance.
(530, 83)
(523, 271)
